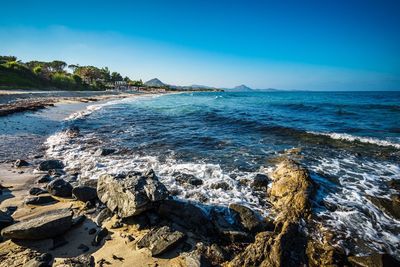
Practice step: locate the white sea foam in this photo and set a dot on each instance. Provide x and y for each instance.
(77, 156)
(355, 215)
(352, 138)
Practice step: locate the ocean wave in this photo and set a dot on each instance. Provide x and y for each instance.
(353, 138)
(77, 155)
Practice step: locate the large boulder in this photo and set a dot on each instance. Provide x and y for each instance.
(160, 240)
(286, 246)
(60, 188)
(290, 191)
(247, 218)
(84, 193)
(50, 164)
(130, 194)
(187, 215)
(40, 200)
(46, 225)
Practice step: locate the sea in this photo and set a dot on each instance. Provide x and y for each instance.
(349, 141)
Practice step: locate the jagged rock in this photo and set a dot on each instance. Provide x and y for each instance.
(84, 193)
(183, 178)
(104, 151)
(187, 215)
(227, 229)
(247, 218)
(100, 235)
(374, 260)
(40, 200)
(130, 194)
(60, 188)
(46, 225)
(291, 190)
(160, 240)
(260, 181)
(50, 164)
(37, 191)
(80, 261)
(389, 206)
(103, 215)
(43, 260)
(5, 220)
(20, 163)
(289, 196)
(44, 179)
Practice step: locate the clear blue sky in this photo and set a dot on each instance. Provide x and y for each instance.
(315, 45)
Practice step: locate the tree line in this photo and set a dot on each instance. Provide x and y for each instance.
(59, 74)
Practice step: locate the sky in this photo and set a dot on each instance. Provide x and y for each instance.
(305, 45)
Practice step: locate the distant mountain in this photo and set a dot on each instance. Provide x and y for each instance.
(240, 88)
(154, 83)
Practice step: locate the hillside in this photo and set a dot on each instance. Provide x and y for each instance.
(155, 83)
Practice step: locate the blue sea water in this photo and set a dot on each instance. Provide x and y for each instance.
(350, 142)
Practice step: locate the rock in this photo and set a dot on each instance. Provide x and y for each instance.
(60, 188)
(20, 163)
(247, 218)
(130, 194)
(50, 164)
(160, 240)
(183, 178)
(5, 220)
(99, 237)
(389, 206)
(46, 225)
(227, 229)
(40, 200)
(43, 260)
(374, 260)
(80, 261)
(187, 215)
(44, 179)
(84, 193)
(291, 190)
(289, 196)
(220, 185)
(104, 151)
(260, 181)
(37, 191)
(103, 215)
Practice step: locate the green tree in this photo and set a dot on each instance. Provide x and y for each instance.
(115, 76)
(57, 65)
(5, 59)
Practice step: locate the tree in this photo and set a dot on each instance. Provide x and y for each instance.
(5, 59)
(57, 65)
(115, 76)
(126, 79)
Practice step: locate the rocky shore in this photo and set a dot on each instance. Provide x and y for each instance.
(50, 218)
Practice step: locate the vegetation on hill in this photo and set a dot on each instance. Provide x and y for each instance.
(15, 74)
